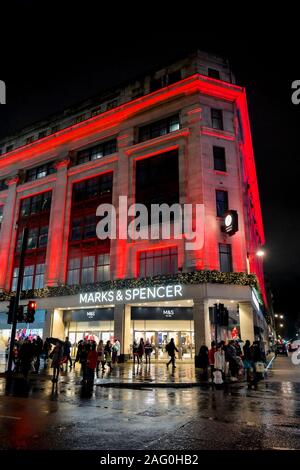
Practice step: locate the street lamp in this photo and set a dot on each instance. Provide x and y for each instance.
(260, 253)
(281, 316)
(281, 325)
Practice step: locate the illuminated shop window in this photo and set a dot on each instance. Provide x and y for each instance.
(155, 262)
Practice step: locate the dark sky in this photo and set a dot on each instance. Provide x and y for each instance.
(51, 58)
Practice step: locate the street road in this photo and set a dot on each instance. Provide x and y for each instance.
(162, 418)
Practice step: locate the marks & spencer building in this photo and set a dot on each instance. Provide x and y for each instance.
(179, 135)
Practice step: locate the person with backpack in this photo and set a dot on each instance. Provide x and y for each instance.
(171, 348)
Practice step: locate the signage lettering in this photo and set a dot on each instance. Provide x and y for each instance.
(138, 293)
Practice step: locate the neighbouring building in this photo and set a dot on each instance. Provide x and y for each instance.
(179, 135)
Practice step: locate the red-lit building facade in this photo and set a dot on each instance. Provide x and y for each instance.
(180, 134)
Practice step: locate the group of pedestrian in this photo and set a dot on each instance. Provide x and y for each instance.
(92, 356)
(27, 351)
(141, 349)
(232, 360)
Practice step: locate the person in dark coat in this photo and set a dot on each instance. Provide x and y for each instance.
(247, 359)
(203, 360)
(171, 348)
(141, 350)
(67, 352)
(25, 357)
(257, 355)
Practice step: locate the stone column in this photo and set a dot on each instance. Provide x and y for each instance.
(246, 321)
(48, 324)
(53, 276)
(201, 324)
(58, 326)
(122, 320)
(6, 233)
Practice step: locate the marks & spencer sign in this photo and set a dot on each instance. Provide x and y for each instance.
(154, 293)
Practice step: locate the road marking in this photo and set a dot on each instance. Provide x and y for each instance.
(10, 417)
(283, 448)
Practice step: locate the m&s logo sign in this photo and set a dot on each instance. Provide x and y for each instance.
(2, 92)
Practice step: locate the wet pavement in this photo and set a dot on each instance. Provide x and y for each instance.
(233, 417)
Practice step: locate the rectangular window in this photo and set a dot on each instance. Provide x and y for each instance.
(157, 180)
(221, 202)
(217, 118)
(225, 258)
(74, 271)
(93, 187)
(33, 277)
(88, 269)
(30, 139)
(9, 148)
(54, 129)
(35, 204)
(40, 171)
(213, 73)
(42, 134)
(97, 151)
(39, 276)
(3, 185)
(32, 238)
(28, 277)
(219, 158)
(103, 267)
(156, 262)
(159, 128)
(79, 118)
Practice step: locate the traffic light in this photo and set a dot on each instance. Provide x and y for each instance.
(29, 317)
(20, 311)
(11, 310)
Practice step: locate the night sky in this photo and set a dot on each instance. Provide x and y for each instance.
(51, 59)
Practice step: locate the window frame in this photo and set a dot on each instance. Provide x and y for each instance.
(228, 253)
(216, 115)
(148, 256)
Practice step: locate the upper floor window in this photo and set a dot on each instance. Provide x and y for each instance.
(219, 158)
(42, 134)
(155, 262)
(221, 202)
(37, 238)
(157, 180)
(217, 118)
(165, 80)
(93, 187)
(225, 258)
(79, 118)
(35, 204)
(3, 185)
(40, 171)
(83, 227)
(9, 148)
(96, 152)
(54, 129)
(213, 73)
(30, 139)
(159, 128)
(88, 269)
(33, 277)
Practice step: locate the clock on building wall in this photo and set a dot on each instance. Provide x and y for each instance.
(230, 222)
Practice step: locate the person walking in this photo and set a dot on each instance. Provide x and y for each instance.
(107, 354)
(91, 365)
(219, 364)
(56, 355)
(67, 352)
(247, 359)
(135, 352)
(232, 359)
(211, 358)
(148, 351)
(141, 350)
(258, 359)
(116, 350)
(100, 356)
(171, 348)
